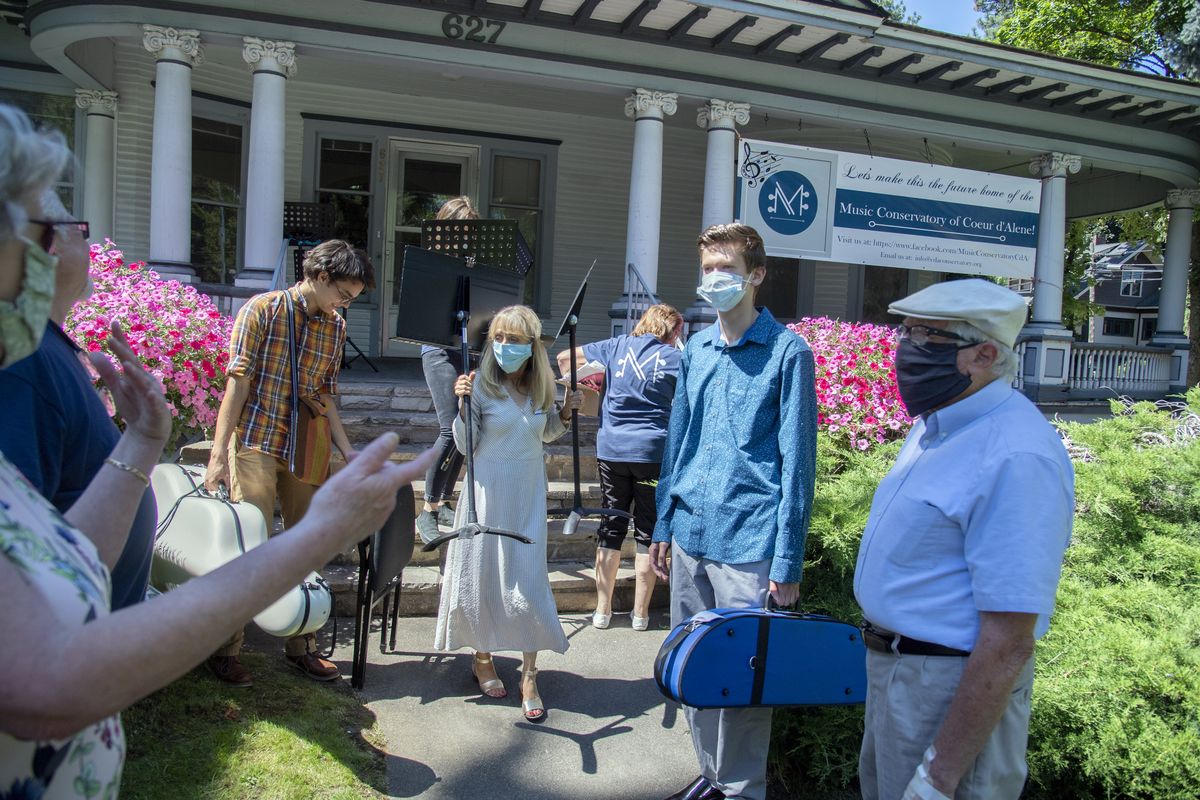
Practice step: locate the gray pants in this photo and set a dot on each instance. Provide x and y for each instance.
(907, 699)
(731, 744)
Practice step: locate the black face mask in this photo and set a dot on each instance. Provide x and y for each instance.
(928, 375)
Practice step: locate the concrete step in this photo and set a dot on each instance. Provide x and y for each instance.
(573, 584)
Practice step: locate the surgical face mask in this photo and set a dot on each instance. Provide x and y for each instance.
(23, 320)
(511, 356)
(722, 290)
(927, 375)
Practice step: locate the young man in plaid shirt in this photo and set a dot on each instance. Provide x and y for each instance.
(258, 404)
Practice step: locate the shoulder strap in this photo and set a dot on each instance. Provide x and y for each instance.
(295, 380)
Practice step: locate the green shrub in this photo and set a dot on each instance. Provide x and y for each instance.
(1116, 702)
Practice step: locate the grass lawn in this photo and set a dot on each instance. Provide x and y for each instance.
(285, 737)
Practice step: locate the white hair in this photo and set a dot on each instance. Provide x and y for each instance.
(1005, 365)
(30, 161)
(53, 208)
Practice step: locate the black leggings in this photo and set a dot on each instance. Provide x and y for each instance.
(442, 368)
(625, 484)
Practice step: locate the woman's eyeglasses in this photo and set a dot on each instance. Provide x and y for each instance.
(49, 226)
(920, 334)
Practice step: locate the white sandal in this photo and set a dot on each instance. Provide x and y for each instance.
(640, 623)
(490, 684)
(532, 707)
(601, 621)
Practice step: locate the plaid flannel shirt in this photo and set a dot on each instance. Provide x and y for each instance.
(259, 350)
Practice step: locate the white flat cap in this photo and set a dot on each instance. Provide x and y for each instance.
(993, 309)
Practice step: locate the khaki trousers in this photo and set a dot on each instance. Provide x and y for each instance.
(907, 699)
(258, 479)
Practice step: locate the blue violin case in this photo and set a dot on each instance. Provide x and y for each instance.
(741, 657)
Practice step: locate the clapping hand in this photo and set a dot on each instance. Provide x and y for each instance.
(137, 394)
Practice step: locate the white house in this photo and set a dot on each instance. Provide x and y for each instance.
(606, 127)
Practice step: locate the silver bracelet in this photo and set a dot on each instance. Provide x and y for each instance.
(132, 470)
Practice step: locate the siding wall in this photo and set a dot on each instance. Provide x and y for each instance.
(591, 191)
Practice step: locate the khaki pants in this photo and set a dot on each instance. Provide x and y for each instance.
(907, 699)
(258, 478)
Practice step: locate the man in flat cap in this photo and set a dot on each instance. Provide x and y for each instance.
(961, 555)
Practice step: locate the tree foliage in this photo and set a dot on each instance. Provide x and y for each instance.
(1159, 36)
(898, 11)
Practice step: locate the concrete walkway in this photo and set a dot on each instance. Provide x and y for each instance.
(608, 734)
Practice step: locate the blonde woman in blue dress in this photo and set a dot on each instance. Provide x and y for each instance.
(495, 590)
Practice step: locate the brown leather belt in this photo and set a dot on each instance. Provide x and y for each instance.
(883, 641)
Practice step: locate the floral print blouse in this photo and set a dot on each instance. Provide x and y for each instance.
(62, 565)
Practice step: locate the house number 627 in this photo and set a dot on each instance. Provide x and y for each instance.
(472, 29)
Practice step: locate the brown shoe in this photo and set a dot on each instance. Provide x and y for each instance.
(314, 666)
(229, 670)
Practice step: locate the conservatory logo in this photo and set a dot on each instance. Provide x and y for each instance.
(788, 203)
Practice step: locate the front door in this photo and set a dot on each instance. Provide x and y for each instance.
(422, 176)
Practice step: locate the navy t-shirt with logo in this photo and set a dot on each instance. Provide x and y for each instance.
(639, 387)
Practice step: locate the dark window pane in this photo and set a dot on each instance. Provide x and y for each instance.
(46, 110)
(882, 286)
(1115, 326)
(214, 242)
(427, 184)
(516, 181)
(345, 165)
(352, 213)
(780, 289)
(528, 223)
(1149, 328)
(216, 160)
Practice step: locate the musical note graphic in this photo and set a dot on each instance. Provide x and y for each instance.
(757, 166)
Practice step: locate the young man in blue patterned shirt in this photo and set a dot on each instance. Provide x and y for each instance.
(736, 488)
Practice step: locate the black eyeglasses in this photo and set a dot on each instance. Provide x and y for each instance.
(919, 335)
(49, 225)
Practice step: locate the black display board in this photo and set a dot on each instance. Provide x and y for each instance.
(428, 308)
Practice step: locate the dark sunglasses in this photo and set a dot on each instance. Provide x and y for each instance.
(49, 226)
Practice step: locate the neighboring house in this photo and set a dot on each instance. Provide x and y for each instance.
(1125, 279)
(605, 127)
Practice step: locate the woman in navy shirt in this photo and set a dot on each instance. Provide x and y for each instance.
(639, 386)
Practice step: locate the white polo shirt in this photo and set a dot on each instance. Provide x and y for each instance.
(974, 516)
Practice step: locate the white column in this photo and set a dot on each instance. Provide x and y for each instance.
(1046, 362)
(719, 118)
(1052, 168)
(1173, 294)
(272, 63)
(648, 109)
(171, 160)
(99, 151)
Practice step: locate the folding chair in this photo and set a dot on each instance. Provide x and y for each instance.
(381, 562)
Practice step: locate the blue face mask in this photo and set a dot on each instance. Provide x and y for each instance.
(722, 290)
(511, 356)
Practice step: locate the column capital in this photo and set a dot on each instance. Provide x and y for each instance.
(273, 56)
(1182, 198)
(96, 99)
(648, 103)
(1054, 165)
(175, 43)
(722, 114)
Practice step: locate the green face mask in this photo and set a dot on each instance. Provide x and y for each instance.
(23, 321)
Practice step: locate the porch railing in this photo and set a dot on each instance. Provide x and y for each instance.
(640, 297)
(1103, 371)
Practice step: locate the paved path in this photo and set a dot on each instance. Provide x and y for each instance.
(609, 733)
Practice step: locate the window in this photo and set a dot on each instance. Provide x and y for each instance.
(517, 194)
(1149, 328)
(1131, 282)
(216, 198)
(1118, 326)
(50, 111)
(780, 289)
(344, 181)
(882, 286)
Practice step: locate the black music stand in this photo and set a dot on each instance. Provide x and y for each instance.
(473, 528)
(306, 225)
(578, 511)
(382, 558)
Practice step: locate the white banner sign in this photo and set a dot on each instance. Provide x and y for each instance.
(855, 209)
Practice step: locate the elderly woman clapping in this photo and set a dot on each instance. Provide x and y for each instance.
(71, 665)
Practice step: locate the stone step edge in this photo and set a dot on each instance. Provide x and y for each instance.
(565, 576)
